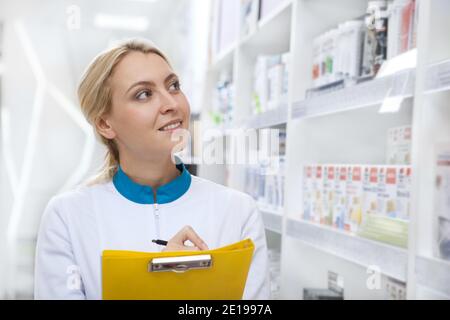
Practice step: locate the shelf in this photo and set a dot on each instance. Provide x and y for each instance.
(438, 77)
(273, 117)
(275, 14)
(224, 60)
(391, 260)
(366, 94)
(434, 274)
(272, 219)
(272, 35)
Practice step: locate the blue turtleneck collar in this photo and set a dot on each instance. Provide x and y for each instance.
(144, 194)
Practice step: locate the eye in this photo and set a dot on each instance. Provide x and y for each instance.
(143, 95)
(175, 85)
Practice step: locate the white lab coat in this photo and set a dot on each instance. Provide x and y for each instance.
(78, 225)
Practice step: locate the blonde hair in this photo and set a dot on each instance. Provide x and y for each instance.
(95, 96)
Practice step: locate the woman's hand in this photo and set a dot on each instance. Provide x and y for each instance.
(185, 234)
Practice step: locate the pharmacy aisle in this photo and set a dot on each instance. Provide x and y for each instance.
(357, 94)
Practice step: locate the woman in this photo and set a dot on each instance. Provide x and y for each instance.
(132, 98)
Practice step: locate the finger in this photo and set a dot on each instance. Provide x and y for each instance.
(193, 237)
(187, 233)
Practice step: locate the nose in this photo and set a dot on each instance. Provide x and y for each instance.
(168, 102)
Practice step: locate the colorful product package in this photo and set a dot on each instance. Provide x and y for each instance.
(370, 188)
(317, 199)
(354, 198)
(387, 191)
(403, 192)
(328, 194)
(340, 201)
(398, 149)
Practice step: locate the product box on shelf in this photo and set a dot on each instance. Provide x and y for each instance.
(340, 200)
(402, 26)
(265, 183)
(260, 89)
(354, 198)
(387, 191)
(371, 201)
(350, 47)
(317, 199)
(375, 42)
(370, 191)
(403, 192)
(380, 206)
(398, 149)
(223, 100)
(280, 181)
(275, 84)
(328, 196)
(271, 76)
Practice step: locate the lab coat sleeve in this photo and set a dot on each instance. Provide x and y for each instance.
(57, 275)
(258, 283)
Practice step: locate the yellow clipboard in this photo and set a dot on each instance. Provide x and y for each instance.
(218, 274)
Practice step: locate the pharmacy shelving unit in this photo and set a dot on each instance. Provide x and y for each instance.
(347, 126)
(429, 276)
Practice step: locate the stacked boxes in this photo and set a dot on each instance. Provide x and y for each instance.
(344, 196)
(356, 49)
(223, 100)
(265, 183)
(402, 27)
(270, 82)
(337, 53)
(399, 145)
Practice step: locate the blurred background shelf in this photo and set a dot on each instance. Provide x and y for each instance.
(434, 274)
(224, 60)
(373, 92)
(271, 30)
(391, 260)
(273, 117)
(272, 218)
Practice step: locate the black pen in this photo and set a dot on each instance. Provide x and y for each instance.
(160, 242)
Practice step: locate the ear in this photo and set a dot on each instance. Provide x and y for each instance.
(104, 128)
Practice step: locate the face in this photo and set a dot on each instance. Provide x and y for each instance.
(148, 106)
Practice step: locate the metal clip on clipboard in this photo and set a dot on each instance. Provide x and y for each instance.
(180, 264)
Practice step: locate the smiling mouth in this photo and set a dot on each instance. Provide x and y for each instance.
(171, 126)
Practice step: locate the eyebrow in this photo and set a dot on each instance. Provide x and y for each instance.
(151, 83)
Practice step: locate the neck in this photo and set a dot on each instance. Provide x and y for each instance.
(153, 173)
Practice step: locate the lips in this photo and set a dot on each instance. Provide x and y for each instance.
(172, 125)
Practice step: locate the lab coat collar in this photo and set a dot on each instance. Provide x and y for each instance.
(143, 194)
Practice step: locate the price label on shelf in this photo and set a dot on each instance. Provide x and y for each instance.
(438, 77)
